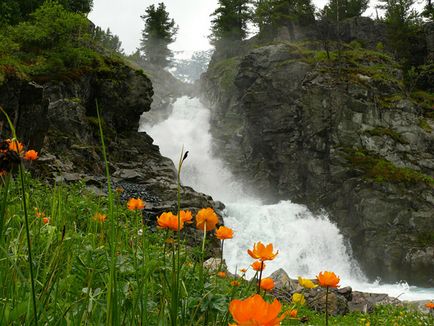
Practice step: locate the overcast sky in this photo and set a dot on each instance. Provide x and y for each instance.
(192, 16)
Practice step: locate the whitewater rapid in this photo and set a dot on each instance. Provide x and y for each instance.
(307, 243)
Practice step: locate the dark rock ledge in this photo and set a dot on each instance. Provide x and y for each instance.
(59, 120)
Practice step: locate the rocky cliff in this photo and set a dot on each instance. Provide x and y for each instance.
(58, 118)
(340, 134)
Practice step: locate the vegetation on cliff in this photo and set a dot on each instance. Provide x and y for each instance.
(53, 43)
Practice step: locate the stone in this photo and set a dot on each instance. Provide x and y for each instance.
(307, 136)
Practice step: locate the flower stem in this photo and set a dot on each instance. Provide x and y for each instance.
(326, 306)
(260, 277)
(32, 279)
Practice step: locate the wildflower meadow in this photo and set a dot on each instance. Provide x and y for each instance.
(70, 257)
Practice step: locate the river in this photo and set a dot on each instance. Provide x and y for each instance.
(307, 243)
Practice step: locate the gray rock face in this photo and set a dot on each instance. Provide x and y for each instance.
(345, 139)
(59, 120)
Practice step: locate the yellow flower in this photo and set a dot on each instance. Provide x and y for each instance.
(306, 283)
(298, 298)
(206, 216)
(224, 233)
(262, 252)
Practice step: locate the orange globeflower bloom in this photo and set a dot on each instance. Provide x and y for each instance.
(328, 279)
(429, 305)
(243, 270)
(258, 266)
(45, 220)
(135, 204)
(206, 216)
(293, 313)
(169, 221)
(15, 145)
(224, 233)
(235, 283)
(221, 274)
(256, 311)
(100, 217)
(31, 155)
(267, 284)
(262, 252)
(186, 216)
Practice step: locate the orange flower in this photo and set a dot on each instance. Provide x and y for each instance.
(243, 270)
(100, 217)
(221, 274)
(328, 279)
(429, 305)
(45, 220)
(293, 313)
(262, 252)
(256, 311)
(135, 204)
(15, 145)
(257, 266)
(186, 216)
(31, 155)
(224, 233)
(39, 214)
(206, 216)
(169, 221)
(2, 173)
(235, 283)
(267, 284)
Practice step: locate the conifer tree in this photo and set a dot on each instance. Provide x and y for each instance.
(342, 9)
(403, 29)
(272, 14)
(159, 32)
(108, 40)
(230, 20)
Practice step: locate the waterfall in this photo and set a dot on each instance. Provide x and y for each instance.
(307, 243)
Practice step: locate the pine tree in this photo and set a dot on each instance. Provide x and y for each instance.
(159, 32)
(230, 21)
(272, 14)
(403, 29)
(108, 40)
(342, 9)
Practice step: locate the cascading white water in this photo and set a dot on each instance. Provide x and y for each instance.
(307, 244)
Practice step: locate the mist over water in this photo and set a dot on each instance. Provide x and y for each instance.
(307, 243)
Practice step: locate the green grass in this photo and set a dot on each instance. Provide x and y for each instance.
(381, 170)
(225, 72)
(72, 268)
(382, 316)
(381, 131)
